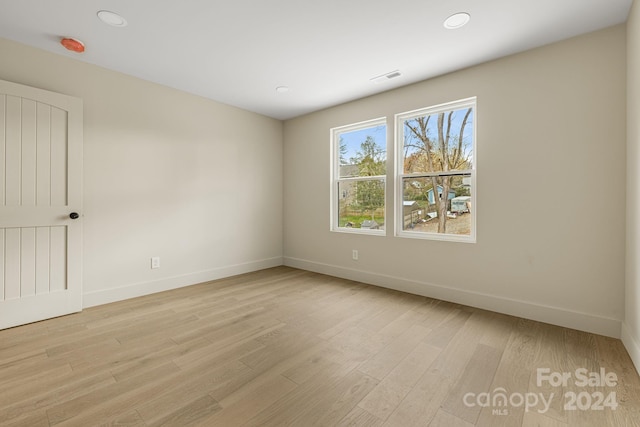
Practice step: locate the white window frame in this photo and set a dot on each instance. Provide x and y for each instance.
(336, 179)
(399, 174)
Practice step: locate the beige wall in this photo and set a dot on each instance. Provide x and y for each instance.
(551, 189)
(166, 174)
(631, 329)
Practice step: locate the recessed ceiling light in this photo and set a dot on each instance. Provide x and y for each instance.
(282, 89)
(457, 20)
(112, 18)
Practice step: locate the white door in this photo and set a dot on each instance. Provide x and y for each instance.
(40, 192)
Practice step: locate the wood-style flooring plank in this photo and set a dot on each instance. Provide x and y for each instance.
(389, 357)
(317, 396)
(395, 386)
(535, 419)
(358, 417)
(613, 357)
(551, 356)
(424, 400)
(513, 373)
(246, 403)
(111, 401)
(52, 390)
(192, 413)
(36, 418)
(445, 419)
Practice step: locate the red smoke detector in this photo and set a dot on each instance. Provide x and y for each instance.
(73, 45)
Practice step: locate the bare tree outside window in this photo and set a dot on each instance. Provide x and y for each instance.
(437, 155)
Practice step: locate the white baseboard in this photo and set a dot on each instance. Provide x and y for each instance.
(134, 290)
(542, 313)
(632, 345)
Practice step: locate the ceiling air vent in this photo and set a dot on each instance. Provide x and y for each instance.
(387, 76)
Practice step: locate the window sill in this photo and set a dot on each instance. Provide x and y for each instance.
(436, 236)
(348, 230)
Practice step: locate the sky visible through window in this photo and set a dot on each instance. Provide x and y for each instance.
(432, 132)
(353, 140)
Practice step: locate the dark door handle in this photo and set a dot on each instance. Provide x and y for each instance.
(74, 215)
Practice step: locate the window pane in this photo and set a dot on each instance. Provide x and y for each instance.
(361, 204)
(427, 211)
(439, 142)
(363, 152)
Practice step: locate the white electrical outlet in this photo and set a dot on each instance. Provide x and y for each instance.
(354, 254)
(155, 262)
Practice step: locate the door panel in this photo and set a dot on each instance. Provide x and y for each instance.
(40, 185)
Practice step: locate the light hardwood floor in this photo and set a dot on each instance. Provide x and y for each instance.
(285, 347)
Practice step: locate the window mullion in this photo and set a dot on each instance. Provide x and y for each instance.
(439, 173)
(363, 178)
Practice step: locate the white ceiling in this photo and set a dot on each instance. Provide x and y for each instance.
(326, 51)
